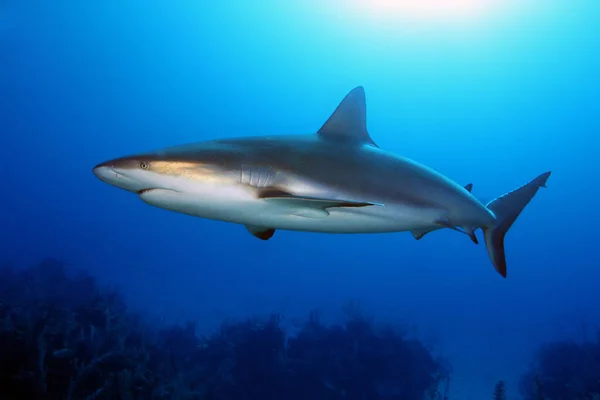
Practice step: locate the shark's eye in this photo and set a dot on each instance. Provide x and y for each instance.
(143, 165)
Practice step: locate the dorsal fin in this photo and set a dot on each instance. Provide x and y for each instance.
(348, 123)
(469, 187)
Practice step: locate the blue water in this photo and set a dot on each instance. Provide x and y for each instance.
(493, 99)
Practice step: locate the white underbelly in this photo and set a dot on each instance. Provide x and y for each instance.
(248, 210)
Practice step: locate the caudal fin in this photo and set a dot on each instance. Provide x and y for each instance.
(507, 208)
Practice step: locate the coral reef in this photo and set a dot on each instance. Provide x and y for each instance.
(500, 391)
(63, 337)
(564, 370)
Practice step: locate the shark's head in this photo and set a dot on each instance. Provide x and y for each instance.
(181, 170)
(130, 173)
(203, 179)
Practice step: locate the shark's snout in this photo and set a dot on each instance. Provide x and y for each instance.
(114, 173)
(105, 172)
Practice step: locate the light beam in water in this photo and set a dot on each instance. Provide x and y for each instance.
(443, 11)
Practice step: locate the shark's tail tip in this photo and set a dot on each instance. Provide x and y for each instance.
(542, 179)
(507, 208)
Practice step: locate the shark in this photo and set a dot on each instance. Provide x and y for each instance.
(335, 180)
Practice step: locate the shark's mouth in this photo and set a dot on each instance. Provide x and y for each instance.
(163, 198)
(150, 190)
(144, 191)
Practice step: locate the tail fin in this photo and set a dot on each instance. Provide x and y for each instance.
(507, 208)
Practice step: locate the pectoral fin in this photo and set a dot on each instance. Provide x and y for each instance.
(309, 207)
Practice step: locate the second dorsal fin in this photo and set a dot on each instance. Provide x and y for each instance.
(348, 123)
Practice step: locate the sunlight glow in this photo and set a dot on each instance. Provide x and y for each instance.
(426, 10)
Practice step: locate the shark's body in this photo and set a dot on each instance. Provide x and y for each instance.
(335, 181)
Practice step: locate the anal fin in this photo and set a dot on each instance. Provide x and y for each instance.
(261, 232)
(470, 232)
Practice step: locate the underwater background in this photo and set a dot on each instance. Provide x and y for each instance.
(486, 92)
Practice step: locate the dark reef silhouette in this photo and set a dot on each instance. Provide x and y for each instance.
(64, 337)
(568, 370)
